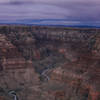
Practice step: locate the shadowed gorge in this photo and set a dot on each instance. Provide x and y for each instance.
(49, 63)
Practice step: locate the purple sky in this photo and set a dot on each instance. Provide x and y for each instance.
(73, 11)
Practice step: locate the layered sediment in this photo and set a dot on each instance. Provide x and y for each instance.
(48, 63)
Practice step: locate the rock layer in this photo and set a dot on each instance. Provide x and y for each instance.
(48, 63)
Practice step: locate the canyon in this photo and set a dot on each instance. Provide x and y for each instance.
(49, 63)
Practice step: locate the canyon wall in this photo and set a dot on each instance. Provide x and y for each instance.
(49, 63)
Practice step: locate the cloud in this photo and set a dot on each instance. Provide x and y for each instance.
(69, 10)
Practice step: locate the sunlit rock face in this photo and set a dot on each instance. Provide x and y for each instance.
(48, 63)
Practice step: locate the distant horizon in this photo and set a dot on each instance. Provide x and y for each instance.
(60, 26)
(54, 22)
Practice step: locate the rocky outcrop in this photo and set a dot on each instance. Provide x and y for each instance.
(17, 74)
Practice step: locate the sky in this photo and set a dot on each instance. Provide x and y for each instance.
(53, 12)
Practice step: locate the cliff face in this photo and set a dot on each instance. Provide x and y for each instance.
(46, 63)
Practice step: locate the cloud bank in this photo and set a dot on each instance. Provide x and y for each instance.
(64, 10)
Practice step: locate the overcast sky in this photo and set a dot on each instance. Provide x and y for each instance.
(61, 11)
